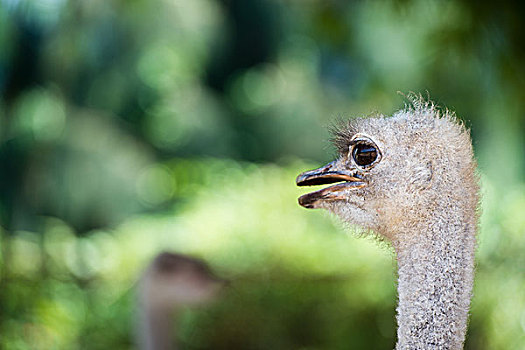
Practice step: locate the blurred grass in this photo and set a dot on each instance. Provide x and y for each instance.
(127, 128)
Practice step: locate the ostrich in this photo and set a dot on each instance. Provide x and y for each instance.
(410, 179)
(171, 282)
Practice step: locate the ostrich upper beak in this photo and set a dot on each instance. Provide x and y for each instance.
(327, 174)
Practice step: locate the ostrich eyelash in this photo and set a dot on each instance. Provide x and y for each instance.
(342, 132)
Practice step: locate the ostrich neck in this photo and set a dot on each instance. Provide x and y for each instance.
(158, 330)
(435, 268)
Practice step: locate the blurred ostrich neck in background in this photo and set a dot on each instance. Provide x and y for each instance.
(411, 179)
(171, 282)
(159, 328)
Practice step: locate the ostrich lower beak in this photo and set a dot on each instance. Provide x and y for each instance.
(326, 175)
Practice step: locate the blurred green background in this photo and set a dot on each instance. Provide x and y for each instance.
(131, 127)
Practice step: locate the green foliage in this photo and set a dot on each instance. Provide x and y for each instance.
(131, 127)
(298, 281)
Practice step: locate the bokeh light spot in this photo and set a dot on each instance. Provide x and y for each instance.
(26, 256)
(41, 113)
(258, 88)
(165, 66)
(155, 185)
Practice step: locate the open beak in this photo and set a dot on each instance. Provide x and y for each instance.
(327, 174)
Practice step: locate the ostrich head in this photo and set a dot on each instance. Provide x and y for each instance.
(394, 172)
(411, 178)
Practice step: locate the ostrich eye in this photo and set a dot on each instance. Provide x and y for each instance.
(364, 154)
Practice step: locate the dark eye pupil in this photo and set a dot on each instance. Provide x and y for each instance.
(364, 154)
